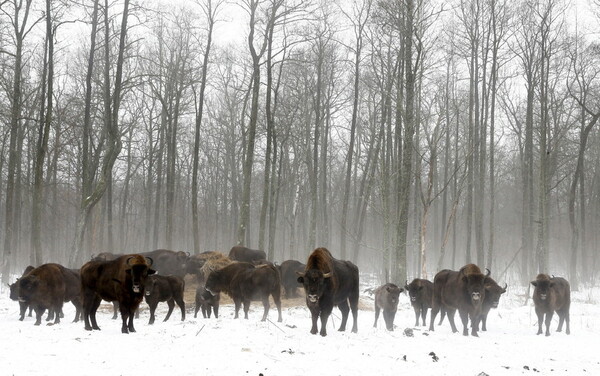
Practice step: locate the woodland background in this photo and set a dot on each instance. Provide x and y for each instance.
(405, 135)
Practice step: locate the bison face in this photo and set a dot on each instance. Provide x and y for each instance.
(493, 292)
(542, 288)
(138, 275)
(14, 290)
(414, 292)
(27, 287)
(475, 288)
(392, 296)
(314, 284)
(149, 288)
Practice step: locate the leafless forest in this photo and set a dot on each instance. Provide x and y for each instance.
(405, 135)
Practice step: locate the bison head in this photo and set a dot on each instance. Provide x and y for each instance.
(27, 287)
(542, 288)
(493, 292)
(14, 290)
(314, 281)
(475, 287)
(415, 290)
(150, 285)
(138, 270)
(213, 285)
(393, 292)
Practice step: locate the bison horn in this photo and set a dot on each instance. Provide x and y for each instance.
(488, 272)
(149, 261)
(300, 274)
(327, 275)
(129, 260)
(505, 286)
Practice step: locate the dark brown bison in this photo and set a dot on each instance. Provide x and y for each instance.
(289, 278)
(463, 291)
(493, 292)
(164, 288)
(205, 301)
(122, 279)
(44, 288)
(239, 253)
(168, 262)
(14, 295)
(420, 292)
(328, 282)
(386, 298)
(550, 295)
(245, 282)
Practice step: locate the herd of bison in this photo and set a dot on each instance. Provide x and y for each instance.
(245, 275)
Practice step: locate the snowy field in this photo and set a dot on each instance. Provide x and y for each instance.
(225, 346)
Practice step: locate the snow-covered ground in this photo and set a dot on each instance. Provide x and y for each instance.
(225, 346)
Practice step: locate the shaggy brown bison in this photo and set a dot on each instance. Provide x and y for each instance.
(386, 298)
(239, 253)
(463, 291)
(328, 282)
(420, 292)
(550, 295)
(245, 282)
(44, 288)
(14, 295)
(288, 270)
(122, 280)
(205, 301)
(164, 288)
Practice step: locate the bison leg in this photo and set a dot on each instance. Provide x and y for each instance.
(130, 323)
(540, 315)
(325, 312)
(115, 310)
(50, 316)
(77, 303)
(247, 308)
(389, 319)
(124, 318)
(277, 299)
(450, 313)
(30, 310)
(483, 322)
(181, 305)
(23, 310)
(266, 307)
(464, 317)
(152, 304)
(442, 316)
(343, 306)
(377, 310)
(171, 304)
(205, 311)
(216, 309)
(548, 322)
(564, 317)
(314, 315)
(238, 303)
(475, 325)
(196, 309)
(38, 315)
(434, 311)
(423, 315)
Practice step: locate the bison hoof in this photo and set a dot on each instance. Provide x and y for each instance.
(323, 334)
(548, 334)
(313, 331)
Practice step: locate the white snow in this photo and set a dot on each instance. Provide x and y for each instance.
(225, 346)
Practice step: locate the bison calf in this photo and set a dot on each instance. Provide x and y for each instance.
(550, 295)
(205, 300)
(43, 288)
(386, 298)
(420, 292)
(161, 288)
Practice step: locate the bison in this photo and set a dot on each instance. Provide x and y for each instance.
(122, 279)
(168, 262)
(386, 298)
(195, 263)
(328, 282)
(14, 295)
(44, 288)
(288, 270)
(164, 288)
(205, 300)
(239, 253)
(550, 295)
(420, 292)
(463, 291)
(245, 282)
